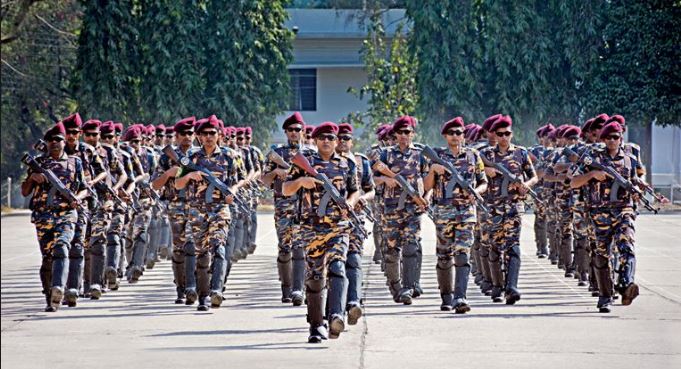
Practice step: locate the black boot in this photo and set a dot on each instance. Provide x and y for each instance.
(443, 270)
(298, 259)
(285, 270)
(497, 277)
(336, 300)
(461, 283)
(512, 293)
(392, 272)
(315, 310)
(179, 272)
(190, 274)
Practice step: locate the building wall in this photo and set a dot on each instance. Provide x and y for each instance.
(333, 100)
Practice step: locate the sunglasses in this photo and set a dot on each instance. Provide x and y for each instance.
(502, 134)
(309, 137)
(293, 129)
(170, 136)
(91, 134)
(185, 133)
(453, 132)
(403, 132)
(327, 138)
(240, 138)
(209, 133)
(135, 141)
(247, 137)
(345, 138)
(55, 139)
(613, 137)
(72, 132)
(160, 136)
(107, 137)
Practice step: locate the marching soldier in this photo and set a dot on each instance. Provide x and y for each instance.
(53, 212)
(506, 206)
(455, 215)
(291, 259)
(258, 161)
(325, 229)
(402, 214)
(353, 264)
(183, 255)
(613, 216)
(537, 153)
(210, 214)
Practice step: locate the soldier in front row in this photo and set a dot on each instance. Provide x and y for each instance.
(326, 230)
(455, 214)
(53, 214)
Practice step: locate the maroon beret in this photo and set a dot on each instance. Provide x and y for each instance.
(572, 132)
(248, 130)
(385, 131)
(295, 118)
(210, 122)
(107, 127)
(161, 128)
(309, 128)
(468, 127)
(560, 129)
(488, 122)
(617, 118)
(381, 128)
(599, 121)
(345, 128)
(72, 121)
(185, 124)
(472, 133)
(231, 131)
(612, 127)
(118, 127)
(326, 127)
(150, 130)
(170, 130)
(57, 130)
(132, 132)
(453, 123)
(586, 127)
(404, 121)
(540, 131)
(92, 125)
(240, 131)
(503, 122)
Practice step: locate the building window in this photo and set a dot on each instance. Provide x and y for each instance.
(303, 90)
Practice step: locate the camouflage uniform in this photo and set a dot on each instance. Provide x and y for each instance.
(455, 219)
(183, 257)
(209, 218)
(353, 264)
(613, 220)
(55, 222)
(505, 215)
(236, 225)
(565, 217)
(481, 245)
(258, 160)
(403, 224)
(291, 256)
(552, 216)
(243, 218)
(377, 208)
(93, 166)
(540, 229)
(326, 234)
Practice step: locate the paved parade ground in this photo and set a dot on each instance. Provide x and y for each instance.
(555, 325)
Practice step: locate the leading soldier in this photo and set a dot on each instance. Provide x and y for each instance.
(455, 214)
(53, 213)
(325, 229)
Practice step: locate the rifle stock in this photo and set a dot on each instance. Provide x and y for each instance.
(52, 178)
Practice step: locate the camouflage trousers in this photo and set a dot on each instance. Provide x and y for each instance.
(565, 223)
(552, 228)
(209, 227)
(540, 229)
(138, 236)
(615, 226)
(55, 231)
(284, 225)
(505, 226)
(115, 248)
(403, 250)
(97, 247)
(182, 246)
(581, 241)
(455, 227)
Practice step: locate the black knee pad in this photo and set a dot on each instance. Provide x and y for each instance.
(337, 269)
(144, 237)
(284, 257)
(219, 252)
(444, 263)
(76, 251)
(410, 250)
(494, 255)
(178, 256)
(314, 285)
(60, 250)
(189, 249)
(354, 261)
(203, 261)
(461, 260)
(298, 253)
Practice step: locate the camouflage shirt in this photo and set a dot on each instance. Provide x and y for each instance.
(287, 152)
(222, 164)
(169, 192)
(69, 170)
(518, 162)
(599, 193)
(409, 164)
(469, 164)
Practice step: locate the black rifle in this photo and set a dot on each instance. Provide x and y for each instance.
(145, 186)
(456, 178)
(105, 188)
(188, 165)
(620, 182)
(52, 178)
(509, 178)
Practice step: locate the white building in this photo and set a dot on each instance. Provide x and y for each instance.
(327, 61)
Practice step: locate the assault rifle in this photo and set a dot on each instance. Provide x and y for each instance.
(52, 178)
(509, 178)
(407, 188)
(330, 192)
(187, 164)
(456, 178)
(620, 182)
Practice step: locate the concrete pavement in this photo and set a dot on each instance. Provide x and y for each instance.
(555, 324)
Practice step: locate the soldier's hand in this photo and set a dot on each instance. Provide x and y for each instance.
(196, 176)
(172, 172)
(281, 173)
(38, 178)
(490, 172)
(361, 204)
(390, 183)
(599, 175)
(438, 169)
(229, 199)
(308, 182)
